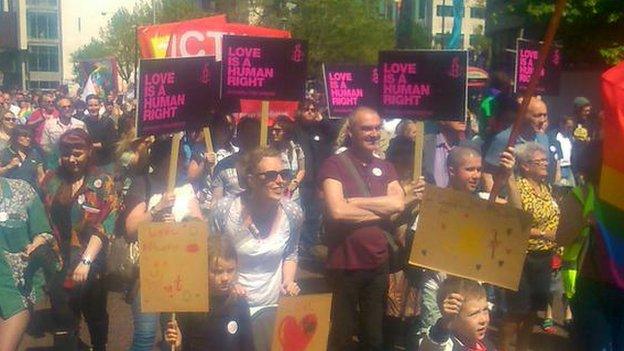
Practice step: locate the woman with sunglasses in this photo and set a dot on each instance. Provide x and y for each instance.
(20, 160)
(264, 227)
(530, 192)
(8, 122)
(292, 153)
(82, 205)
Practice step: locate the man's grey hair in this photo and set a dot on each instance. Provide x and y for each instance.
(525, 152)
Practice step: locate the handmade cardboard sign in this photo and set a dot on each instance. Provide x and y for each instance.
(263, 68)
(174, 267)
(527, 52)
(462, 235)
(302, 323)
(348, 87)
(176, 94)
(423, 84)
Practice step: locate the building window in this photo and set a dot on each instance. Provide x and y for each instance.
(422, 9)
(477, 12)
(444, 11)
(35, 84)
(42, 3)
(42, 25)
(43, 58)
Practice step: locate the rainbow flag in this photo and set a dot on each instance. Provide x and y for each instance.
(609, 213)
(612, 176)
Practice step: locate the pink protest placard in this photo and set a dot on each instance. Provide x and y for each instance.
(176, 94)
(263, 68)
(348, 87)
(423, 84)
(527, 52)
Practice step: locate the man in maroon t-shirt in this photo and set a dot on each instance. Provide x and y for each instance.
(37, 119)
(358, 249)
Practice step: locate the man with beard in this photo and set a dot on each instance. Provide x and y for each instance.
(356, 220)
(54, 128)
(102, 130)
(37, 119)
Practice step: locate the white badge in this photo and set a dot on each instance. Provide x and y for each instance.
(97, 183)
(4, 216)
(81, 199)
(232, 327)
(377, 171)
(317, 138)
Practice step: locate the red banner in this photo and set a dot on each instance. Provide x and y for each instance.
(197, 37)
(276, 108)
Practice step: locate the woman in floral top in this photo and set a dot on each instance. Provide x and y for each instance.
(82, 205)
(531, 192)
(24, 228)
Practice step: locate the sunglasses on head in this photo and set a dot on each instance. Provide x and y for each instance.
(10, 119)
(271, 176)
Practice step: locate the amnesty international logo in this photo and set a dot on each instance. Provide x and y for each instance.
(297, 54)
(205, 75)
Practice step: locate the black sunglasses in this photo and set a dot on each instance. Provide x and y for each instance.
(271, 176)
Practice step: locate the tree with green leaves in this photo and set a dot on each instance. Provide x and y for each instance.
(118, 38)
(591, 31)
(340, 31)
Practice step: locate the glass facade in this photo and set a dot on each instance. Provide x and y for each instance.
(477, 12)
(444, 11)
(42, 25)
(43, 58)
(42, 3)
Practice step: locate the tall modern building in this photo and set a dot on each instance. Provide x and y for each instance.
(437, 18)
(30, 52)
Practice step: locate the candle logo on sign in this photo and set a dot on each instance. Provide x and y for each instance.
(296, 336)
(297, 55)
(455, 68)
(205, 75)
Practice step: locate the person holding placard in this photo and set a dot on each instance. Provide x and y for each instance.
(147, 199)
(227, 326)
(82, 205)
(264, 227)
(465, 317)
(531, 193)
(356, 221)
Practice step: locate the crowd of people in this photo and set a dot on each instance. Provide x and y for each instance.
(75, 178)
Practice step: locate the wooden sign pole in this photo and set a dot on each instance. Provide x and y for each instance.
(208, 140)
(531, 88)
(264, 124)
(173, 162)
(418, 150)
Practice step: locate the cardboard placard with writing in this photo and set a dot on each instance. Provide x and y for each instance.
(423, 84)
(174, 267)
(263, 68)
(348, 87)
(176, 94)
(462, 235)
(302, 323)
(527, 53)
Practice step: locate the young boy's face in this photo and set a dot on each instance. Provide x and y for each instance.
(222, 276)
(467, 175)
(473, 320)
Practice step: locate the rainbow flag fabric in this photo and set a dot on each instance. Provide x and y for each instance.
(612, 176)
(609, 212)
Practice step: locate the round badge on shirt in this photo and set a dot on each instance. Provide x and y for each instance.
(97, 183)
(81, 199)
(232, 327)
(317, 138)
(4, 216)
(377, 172)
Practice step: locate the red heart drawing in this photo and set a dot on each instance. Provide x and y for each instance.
(294, 336)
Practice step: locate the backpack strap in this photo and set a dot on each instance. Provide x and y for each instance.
(347, 163)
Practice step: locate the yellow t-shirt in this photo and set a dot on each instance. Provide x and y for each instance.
(544, 212)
